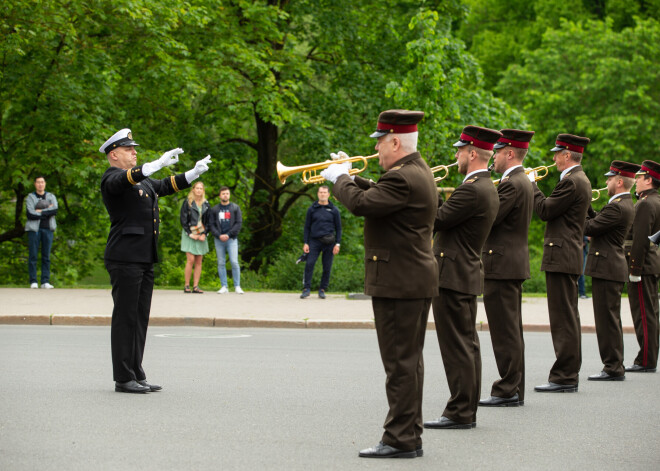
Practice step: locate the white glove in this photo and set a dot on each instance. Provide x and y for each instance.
(339, 155)
(168, 158)
(335, 170)
(634, 278)
(200, 167)
(531, 175)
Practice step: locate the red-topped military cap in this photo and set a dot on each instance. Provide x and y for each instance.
(514, 138)
(397, 122)
(625, 169)
(482, 138)
(570, 142)
(650, 168)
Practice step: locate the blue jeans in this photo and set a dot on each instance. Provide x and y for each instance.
(230, 247)
(45, 238)
(581, 288)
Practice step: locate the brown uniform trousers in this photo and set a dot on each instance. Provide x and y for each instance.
(506, 265)
(607, 266)
(462, 225)
(401, 276)
(565, 211)
(645, 261)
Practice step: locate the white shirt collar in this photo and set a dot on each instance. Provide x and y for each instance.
(567, 170)
(472, 173)
(617, 195)
(509, 170)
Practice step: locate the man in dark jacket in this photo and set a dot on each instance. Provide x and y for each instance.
(400, 271)
(644, 268)
(607, 266)
(131, 199)
(506, 266)
(565, 211)
(462, 225)
(225, 221)
(322, 234)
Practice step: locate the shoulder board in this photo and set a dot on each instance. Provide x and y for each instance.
(397, 167)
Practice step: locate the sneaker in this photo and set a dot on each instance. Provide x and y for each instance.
(305, 293)
(584, 296)
(239, 290)
(34, 286)
(47, 286)
(322, 293)
(223, 290)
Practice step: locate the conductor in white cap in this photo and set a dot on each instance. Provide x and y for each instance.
(131, 199)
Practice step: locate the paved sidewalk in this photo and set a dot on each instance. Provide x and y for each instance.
(252, 309)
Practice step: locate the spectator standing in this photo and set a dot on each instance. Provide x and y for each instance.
(194, 223)
(322, 234)
(225, 222)
(40, 208)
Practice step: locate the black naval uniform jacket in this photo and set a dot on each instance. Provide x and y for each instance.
(607, 229)
(132, 203)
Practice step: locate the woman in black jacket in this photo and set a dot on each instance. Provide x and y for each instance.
(194, 223)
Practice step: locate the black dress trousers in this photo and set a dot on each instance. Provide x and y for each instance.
(132, 288)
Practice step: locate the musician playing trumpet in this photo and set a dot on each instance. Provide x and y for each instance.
(400, 270)
(506, 266)
(607, 266)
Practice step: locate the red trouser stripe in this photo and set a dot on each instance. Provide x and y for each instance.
(642, 311)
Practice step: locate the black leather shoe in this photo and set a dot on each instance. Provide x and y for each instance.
(305, 294)
(385, 451)
(152, 387)
(494, 401)
(554, 387)
(321, 294)
(639, 369)
(602, 376)
(444, 422)
(419, 451)
(131, 387)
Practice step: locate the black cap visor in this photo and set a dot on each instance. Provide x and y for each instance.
(461, 143)
(380, 133)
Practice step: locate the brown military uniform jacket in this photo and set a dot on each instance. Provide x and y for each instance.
(565, 211)
(644, 256)
(462, 226)
(506, 255)
(607, 229)
(398, 228)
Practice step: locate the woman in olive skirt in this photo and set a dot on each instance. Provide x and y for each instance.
(194, 221)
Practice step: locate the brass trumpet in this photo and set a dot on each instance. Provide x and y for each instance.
(595, 194)
(308, 171)
(441, 168)
(539, 176)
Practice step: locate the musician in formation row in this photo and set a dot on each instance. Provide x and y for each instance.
(482, 224)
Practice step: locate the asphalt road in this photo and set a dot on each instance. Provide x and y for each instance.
(295, 400)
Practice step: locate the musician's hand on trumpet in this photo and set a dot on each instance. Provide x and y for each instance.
(531, 174)
(334, 171)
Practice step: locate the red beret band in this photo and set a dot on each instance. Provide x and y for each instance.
(572, 147)
(623, 173)
(512, 143)
(655, 175)
(397, 128)
(476, 142)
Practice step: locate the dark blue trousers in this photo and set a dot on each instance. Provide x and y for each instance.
(315, 249)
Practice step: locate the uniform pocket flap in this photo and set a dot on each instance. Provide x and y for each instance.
(553, 242)
(133, 230)
(376, 255)
(493, 250)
